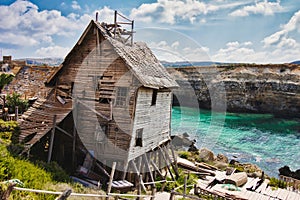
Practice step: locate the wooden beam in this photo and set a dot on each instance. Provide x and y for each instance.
(174, 155)
(75, 114)
(168, 157)
(93, 110)
(63, 131)
(101, 168)
(111, 178)
(51, 139)
(138, 174)
(139, 189)
(149, 169)
(125, 169)
(156, 168)
(164, 157)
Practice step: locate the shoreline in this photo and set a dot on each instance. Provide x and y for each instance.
(186, 148)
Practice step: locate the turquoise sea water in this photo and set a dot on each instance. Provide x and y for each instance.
(261, 139)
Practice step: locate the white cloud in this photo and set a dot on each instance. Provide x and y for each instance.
(52, 51)
(169, 11)
(238, 52)
(177, 51)
(23, 24)
(287, 50)
(264, 7)
(280, 37)
(106, 14)
(75, 5)
(281, 46)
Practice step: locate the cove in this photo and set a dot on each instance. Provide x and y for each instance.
(261, 139)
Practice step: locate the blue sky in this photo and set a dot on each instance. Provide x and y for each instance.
(253, 31)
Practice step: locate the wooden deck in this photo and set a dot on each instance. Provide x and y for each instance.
(262, 193)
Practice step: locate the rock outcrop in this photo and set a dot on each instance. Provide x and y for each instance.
(240, 88)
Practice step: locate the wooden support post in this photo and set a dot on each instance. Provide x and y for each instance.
(149, 169)
(153, 191)
(139, 189)
(173, 166)
(195, 189)
(17, 113)
(116, 25)
(160, 160)
(125, 170)
(52, 139)
(5, 194)
(64, 195)
(132, 27)
(138, 173)
(164, 157)
(156, 168)
(139, 163)
(75, 120)
(111, 178)
(184, 187)
(74, 147)
(174, 156)
(172, 195)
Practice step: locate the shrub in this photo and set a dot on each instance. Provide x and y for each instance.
(9, 131)
(56, 172)
(14, 100)
(277, 183)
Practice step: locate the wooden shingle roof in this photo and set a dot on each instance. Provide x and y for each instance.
(138, 58)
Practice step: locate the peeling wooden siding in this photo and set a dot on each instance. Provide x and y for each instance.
(155, 120)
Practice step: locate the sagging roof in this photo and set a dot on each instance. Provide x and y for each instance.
(138, 58)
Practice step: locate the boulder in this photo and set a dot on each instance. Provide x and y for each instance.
(286, 171)
(181, 141)
(206, 155)
(193, 148)
(220, 165)
(252, 170)
(222, 158)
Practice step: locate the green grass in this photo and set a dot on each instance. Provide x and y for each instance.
(37, 175)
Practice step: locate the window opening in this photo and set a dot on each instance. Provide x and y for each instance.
(139, 137)
(154, 97)
(121, 96)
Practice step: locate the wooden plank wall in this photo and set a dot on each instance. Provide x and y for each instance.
(93, 70)
(155, 120)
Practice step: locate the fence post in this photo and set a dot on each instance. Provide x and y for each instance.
(153, 191)
(111, 178)
(139, 192)
(184, 187)
(172, 195)
(64, 195)
(52, 139)
(5, 194)
(17, 113)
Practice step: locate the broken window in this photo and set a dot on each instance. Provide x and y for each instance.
(139, 137)
(104, 100)
(154, 97)
(121, 96)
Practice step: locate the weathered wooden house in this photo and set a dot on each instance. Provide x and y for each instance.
(110, 95)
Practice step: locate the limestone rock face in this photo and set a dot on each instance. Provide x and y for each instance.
(240, 88)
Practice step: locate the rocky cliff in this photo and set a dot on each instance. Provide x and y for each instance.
(240, 88)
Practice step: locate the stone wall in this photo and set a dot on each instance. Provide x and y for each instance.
(240, 88)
